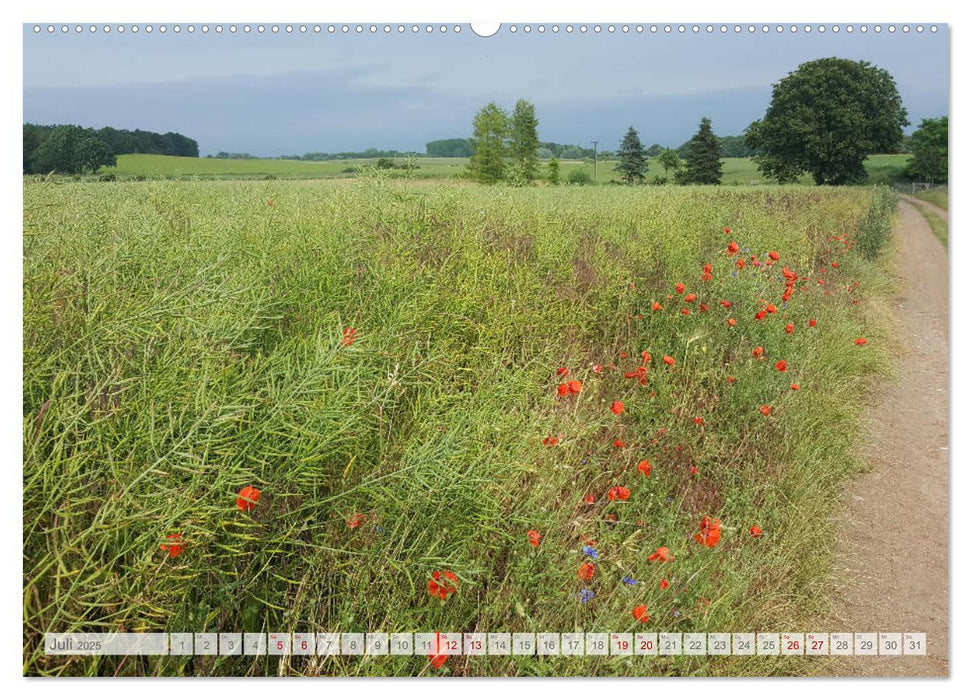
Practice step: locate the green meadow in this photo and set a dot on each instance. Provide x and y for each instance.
(735, 171)
(383, 359)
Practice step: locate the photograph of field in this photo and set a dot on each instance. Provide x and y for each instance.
(550, 385)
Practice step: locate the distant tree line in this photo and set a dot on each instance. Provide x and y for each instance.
(66, 148)
(344, 155)
(463, 148)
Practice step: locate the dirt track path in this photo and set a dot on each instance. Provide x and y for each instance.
(894, 538)
(927, 205)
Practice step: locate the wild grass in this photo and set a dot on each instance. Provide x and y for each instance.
(936, 196)
(183, 340)
(937, 224)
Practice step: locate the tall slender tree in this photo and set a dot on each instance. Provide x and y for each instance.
(524, 140)
(703, 164)
(489, 131)
(631, 158)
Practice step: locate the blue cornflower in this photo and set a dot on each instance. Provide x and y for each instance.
(630, 581)
(586, 595)
(590, 551)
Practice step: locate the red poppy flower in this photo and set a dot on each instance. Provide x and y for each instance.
(640, 613)
(668, 360)
(693, 471)
(562, 390)
(175, 545)
(685, 312)
(732, 322)
(644, 467)
(349, 336)
(758, 353)
(586, 571)
(597, 369)
(765, 409)
(551, 440)
(619, 444)
(534, 537)
(699, 420)
(835, 264)
(732, 248)
(664, 585)
(562, 371)
(656, 307)
(618, 493)
(794, 387)
(790, 327)
(690, 297)
(623, 355)
(703, 308)
(782, 365)
(355, 520)
(679, 288)
(730, 380)
(726, 304)
(661, 554)
(247, 499)
(442, 584)
(574, 386)
(709, 531)
(755, 531)
(617, 407)
(759, 315)
(727, 230)
(860, 341)
(740, 264)
(436, 660)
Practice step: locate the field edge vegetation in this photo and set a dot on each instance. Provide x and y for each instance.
(380, 359)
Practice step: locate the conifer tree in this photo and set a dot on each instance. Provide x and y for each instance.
(631, 158)
(703, 164)
(524, 141)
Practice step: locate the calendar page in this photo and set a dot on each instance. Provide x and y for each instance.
(451, 349)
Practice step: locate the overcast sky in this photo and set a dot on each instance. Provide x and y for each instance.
(272, 94)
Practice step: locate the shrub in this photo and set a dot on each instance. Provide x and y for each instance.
(878, 222)
(579, 177)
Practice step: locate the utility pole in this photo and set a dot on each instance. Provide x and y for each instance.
(594, 159)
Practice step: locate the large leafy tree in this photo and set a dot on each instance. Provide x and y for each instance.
(703, 165)
(669, 160)
(524, 140)
(489, 131)
(929, 145)
(71, 149)
(631, 158)
(825, 118)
